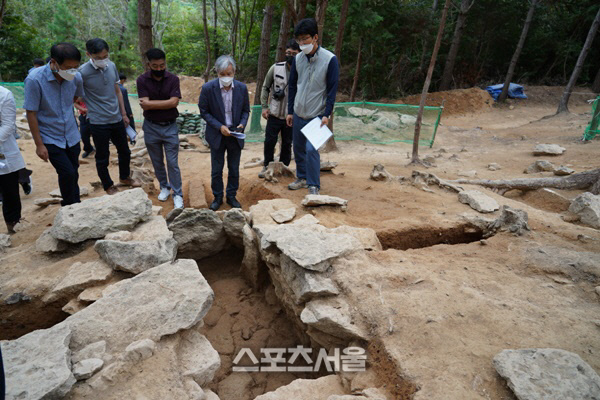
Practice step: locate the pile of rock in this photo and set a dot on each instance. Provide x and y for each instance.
(299, 257)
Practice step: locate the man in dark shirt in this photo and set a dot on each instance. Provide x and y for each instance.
(159, 95)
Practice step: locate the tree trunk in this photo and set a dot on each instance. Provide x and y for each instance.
(596, 84)
(215, 38)
(564, 100)
(2, 11)
(515, 57)
(263, 55)
(341, 29)
(248, 31)
(356, 71)
(206, 41)
(284, 34)
(145, 28)
(320, 17)
(580, 181)
(436, 49)
(301, 12)
(453, 52)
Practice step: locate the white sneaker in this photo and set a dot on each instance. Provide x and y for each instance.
(178, 201)
(164, 194)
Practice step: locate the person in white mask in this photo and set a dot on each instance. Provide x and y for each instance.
(225, 106)
(106, 113)
(50, 92)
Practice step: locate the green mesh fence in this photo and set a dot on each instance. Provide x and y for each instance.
(593, 128)
(18, 91)
(370, 122)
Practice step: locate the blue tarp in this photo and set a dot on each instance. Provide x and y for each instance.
(514, 91)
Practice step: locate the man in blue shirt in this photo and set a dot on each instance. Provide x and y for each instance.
(312, 88)
(50, 93)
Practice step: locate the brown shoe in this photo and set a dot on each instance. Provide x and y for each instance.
(130, 182)
(112, 190)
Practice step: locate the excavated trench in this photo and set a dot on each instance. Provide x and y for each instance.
(420, 237)
(242, 317)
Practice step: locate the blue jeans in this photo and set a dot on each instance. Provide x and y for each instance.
(308, 160)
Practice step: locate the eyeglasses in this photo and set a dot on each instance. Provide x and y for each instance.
(304, 41)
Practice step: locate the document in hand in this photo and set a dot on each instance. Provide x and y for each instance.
(316, 134)
(131, 133)
(238, 135)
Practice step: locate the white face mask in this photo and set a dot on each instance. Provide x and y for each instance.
(306, 48)
(67, 75)
(226, 80)
(100, 63)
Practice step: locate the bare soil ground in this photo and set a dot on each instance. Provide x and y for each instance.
(440, 312)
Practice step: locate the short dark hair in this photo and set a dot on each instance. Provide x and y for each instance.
(38, 62)
(155, 54)
(96, 45)
(122, 76)
(292, 44)
(65, 51)
(307, 26)
(48, 59)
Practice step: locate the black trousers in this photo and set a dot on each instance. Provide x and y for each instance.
(84, 129)
(11, 201)
(66, 164)
(102, 134)
(274, 126)
(230, 145)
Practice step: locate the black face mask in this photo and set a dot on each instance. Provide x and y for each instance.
(158, 73)
(289, 59)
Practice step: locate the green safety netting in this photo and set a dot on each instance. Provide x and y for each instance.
(371, 122)
(593, 128)
(18, 91)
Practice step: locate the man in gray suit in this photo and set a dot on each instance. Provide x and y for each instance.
(225, 106)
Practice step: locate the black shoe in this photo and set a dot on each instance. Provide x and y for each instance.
(86, 154)
(216, 204)
(232, 201)
(27, 187)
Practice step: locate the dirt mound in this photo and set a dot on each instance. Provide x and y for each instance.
(191, 87)
(460, 101)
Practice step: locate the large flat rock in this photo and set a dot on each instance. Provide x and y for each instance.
(38, 365)
(587, 207)
(309, 248)
(149, 245)
(94, 218)
(536, 374)
(306, 284)
(80, 276)
(478, 201)
(160, 301)
(199, 233)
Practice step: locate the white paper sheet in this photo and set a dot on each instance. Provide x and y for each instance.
(130, 132)
(316, 134)
(238, 135)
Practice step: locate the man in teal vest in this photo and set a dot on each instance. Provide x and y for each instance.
(312, 88)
